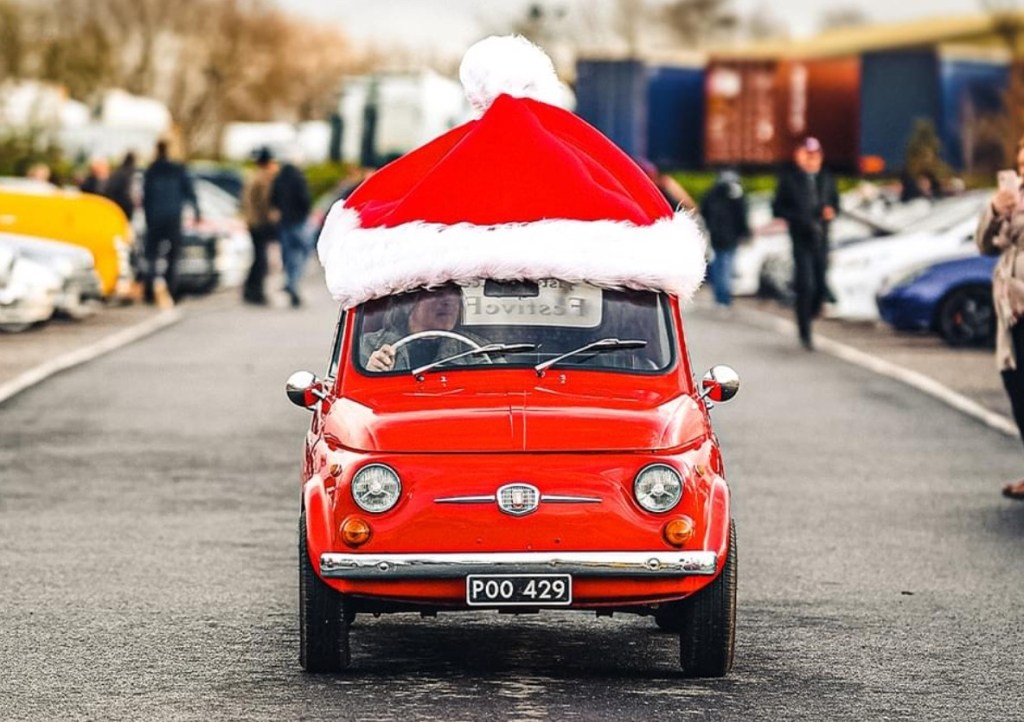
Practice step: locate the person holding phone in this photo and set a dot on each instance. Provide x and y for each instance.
(1001, 232)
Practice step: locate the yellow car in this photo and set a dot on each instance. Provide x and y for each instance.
(82, 219)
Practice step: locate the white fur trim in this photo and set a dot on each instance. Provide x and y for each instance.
(512, 65)
(365, 263)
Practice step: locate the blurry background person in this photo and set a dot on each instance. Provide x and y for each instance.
(674, 194)
(1001, 232)
(39, 172)
(724, 209)
(807, 199)
(166, 188)
(119, 187)
(289, 197)
(99, 174)
(256, 207)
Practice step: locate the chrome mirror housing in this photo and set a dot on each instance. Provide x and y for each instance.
(720, 384)
(303, 389)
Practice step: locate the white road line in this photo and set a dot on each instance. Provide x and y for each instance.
(881, 367)
(88, 353)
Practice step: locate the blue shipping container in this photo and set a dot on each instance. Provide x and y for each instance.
(969, 88)
(898, 88)
(611, 95)
(675, 116)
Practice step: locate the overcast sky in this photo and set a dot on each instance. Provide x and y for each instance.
(448, 23)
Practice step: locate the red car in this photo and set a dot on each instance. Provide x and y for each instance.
(515, 446)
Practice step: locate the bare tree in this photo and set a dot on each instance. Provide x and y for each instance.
(1009, 26)
(763, 24)
(844, 17)
(698, 22)
(12, 40)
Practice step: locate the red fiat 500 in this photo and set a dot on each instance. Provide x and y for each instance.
(519, 446)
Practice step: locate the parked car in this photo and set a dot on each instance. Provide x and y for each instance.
(81, 291)
(229, 180)
(82, 219)
(562, 458)
(857, 272)
(951, 297)
(775, 279)
(28, 291)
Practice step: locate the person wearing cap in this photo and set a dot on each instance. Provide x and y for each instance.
(724, 209)
(258, 216)
(291, 201)
(807, 199)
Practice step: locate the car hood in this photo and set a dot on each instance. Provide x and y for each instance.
(539, 420)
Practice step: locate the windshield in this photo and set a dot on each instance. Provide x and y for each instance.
(515, 324)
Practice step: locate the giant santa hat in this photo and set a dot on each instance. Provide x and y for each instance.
(526, 191)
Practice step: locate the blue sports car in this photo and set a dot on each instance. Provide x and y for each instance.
(952, 298)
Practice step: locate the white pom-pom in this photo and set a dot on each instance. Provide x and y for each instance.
(512, 65)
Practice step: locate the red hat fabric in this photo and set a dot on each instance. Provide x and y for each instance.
(527, 191)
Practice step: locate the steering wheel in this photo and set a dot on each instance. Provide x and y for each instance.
(419, 335)
(433, 334)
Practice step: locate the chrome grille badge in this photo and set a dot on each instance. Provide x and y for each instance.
(518, 499)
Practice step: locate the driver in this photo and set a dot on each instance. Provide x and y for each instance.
(425, 310)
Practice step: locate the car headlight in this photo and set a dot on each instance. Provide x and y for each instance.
(658, 488)
(900, 280)
(376, 488)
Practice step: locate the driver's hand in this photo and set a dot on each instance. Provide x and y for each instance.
(383, 359)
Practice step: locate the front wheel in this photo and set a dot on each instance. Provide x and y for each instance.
(967, 318)
(323, 619)
(707, 623)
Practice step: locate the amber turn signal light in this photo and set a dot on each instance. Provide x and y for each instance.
(678, 531)
(355, 532)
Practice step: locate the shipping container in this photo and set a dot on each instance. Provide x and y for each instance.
(972, 91)
(758, 109)
(611, 95)
(675, 116)
(946, 88)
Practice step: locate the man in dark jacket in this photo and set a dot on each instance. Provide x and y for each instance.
(119, 187)
(166, 188)
(724, 209)
(289, 197)
(806, 198)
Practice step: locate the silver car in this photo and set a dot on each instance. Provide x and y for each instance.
(80, 293)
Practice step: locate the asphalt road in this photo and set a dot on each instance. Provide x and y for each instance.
(148, 509)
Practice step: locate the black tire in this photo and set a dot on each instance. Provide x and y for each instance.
(708, 634)
(669, 617)
(966, 317)
(323, 622)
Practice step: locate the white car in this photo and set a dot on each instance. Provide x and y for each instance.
(857, 271)
(81, 291)
(763, 264)
(28, 291)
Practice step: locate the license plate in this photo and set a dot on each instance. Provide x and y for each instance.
(526, 590)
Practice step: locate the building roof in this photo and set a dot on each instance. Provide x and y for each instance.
(984, 31)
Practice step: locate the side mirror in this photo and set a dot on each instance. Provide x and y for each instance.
(720, 384)
(304, 389)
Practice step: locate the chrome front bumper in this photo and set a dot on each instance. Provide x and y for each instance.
(456, 566)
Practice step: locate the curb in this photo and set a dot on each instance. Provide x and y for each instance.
(916, 380)
(88, 353)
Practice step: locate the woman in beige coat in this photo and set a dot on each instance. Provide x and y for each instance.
(1001, 232)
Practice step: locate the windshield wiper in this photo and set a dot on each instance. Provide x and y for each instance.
(599, 346)
(498, 349)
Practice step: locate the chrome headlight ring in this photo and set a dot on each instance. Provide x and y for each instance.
(658, 488)
(376, 488)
